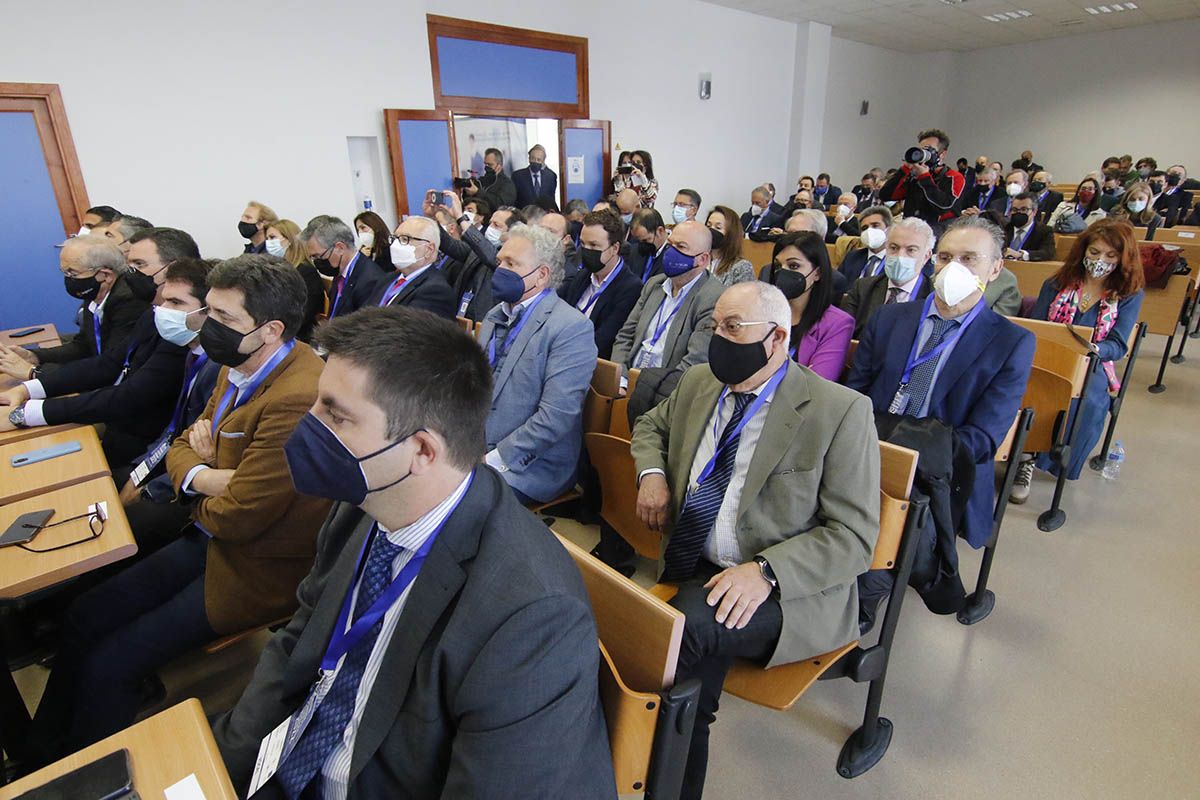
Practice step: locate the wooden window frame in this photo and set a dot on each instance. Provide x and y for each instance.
(499, 34)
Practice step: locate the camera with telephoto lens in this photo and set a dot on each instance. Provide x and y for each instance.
(921, 155)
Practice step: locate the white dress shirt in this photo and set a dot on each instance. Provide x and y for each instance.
(492, 457)
(651, 353)
(906, 289)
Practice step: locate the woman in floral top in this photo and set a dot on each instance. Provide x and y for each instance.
(639, 177)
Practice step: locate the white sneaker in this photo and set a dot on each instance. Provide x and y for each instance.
(1020, 488)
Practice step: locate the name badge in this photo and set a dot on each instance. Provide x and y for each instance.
(157, 453)
(466, 301)
(269, 753)
(899, 402)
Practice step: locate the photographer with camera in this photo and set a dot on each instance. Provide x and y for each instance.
(928, 187)
(495, 187)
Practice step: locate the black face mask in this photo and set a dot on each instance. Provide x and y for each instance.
(733, 362)
(1109, 190)
(325, 268)
(535, 167)
(1037, 186)
(1019, 219)
(247, 229)
(142, 285)
(793, 284)
(221, 342)
(1173, 179)
(647, 249)
(592, 260)
(82, 288)
(1156, 187)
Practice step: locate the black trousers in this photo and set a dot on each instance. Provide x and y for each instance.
(113, 637)
(707, 653)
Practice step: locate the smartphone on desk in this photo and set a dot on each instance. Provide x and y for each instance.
(26, 332)
(45, 454)
(25, 527)
(107, 778)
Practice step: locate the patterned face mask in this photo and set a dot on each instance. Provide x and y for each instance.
(1098, 268)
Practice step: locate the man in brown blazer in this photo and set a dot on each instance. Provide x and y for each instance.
(780, 471)
(252, 538)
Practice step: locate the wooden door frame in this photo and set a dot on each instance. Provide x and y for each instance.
(44, 100)
(392, 118)
(605, 126)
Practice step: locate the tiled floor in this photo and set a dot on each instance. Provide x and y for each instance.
(1080, 684)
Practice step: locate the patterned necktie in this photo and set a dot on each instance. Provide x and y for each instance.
(500, 337)
(328, 724)
(701, 507)
(892, 294)
(921, 380)
(873, 265)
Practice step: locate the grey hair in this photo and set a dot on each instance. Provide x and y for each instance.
(882, 211)
(917, 225)
(760, 191)
(770, 303)
(976, 223)
(817, 221)
(547, 248)
(430, 230)
(327, 231)
(96, 253)
(128, 225)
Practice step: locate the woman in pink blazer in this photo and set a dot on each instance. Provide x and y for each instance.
(820, 330)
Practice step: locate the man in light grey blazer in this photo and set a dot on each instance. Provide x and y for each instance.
(781, 474)
(542, 352)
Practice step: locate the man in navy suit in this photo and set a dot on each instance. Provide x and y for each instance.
(418, 281)
(763, 215)
(605, 290)
(334, 253)
(867, 261)
(953, 358)
(825, 194)
(537, 185)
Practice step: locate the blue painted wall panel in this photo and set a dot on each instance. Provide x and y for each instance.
(425, 150)
(32, 284)
(589, 143)
(506, 71)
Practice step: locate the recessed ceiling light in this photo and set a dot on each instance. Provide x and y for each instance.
(1105, 9)
(1131, 6)
(1091, 10)
(1066, 23)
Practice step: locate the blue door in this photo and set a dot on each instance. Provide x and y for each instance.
(421, 146)
(586, 160)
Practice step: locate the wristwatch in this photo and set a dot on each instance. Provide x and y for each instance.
(767, 573)
(17, 417)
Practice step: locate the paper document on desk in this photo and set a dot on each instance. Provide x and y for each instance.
(186, 789)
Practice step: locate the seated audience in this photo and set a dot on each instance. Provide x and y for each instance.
(475, 254)
(845, 223)
(983, 196)
(627, 202)
(763, 215)
(802, 199)
(576, 210)
(727, 263)
(542, 353)
(284, 241)
(1112, 188)
(121, 230)
(253, 226)
(479, 213)
(94, 271)
(953, 359)
(647, 240)
(1026, 239)
(867, 191)
(1026, 163)
(330, 245)
(640, 178)
(825, 194)
(605, 290)
(687, 206)
(1015, 182)
(1136, 209)
(1084, 204)
(907, 274)
(418, 281)
(533, 214)
(373, 237)
(253, 536)
(1047, 198)
(744, 552)
(930, 191)
(95, 217)
(820, 331)
(557, 224)
(1171, 201)
(867, 260)
(395, 439)
(1145, 166)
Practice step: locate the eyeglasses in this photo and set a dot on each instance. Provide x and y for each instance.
(968, 260)
(733, 327)
(95, 520)
(406, 239)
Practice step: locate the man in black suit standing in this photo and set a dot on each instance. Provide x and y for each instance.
(764, 213)
(418, 281)
(444, 643)
(605, 290)
(495, 187)
(537, 185)
(825, 194)
(1047, 198)
(335, 254)
(1026, 239)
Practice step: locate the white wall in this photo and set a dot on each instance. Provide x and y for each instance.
(1076, 100)
(182, 112)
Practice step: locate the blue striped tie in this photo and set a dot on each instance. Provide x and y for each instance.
(701, 506)
(921, 380)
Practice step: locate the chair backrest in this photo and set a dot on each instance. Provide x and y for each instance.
(464, 323)
(1180, 234)
(1049, 395)
(1058, 351)
(613, 463)
(1032, 274)
(597, 407)
(843, 246)
(897, 470)
(619, 425)
(849, 359)
(1063, 242)
(758, 253)
(1161, 308)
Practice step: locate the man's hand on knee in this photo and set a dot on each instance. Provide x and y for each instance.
(654, 501)
(740, 591)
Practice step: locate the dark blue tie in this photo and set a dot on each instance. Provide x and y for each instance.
(328, 723)
(921, 380)
(701, 507)
(501, 333)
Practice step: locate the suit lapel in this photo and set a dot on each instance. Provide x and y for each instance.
(653, 303)
(784, 418)
(966, 352)
(268, 379)
(540, 314)
(684, 313)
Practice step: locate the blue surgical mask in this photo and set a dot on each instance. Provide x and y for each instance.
(675, 263)
(275, 248)
(508, 286)
(172, 325)
(627, 218)
(901, 269)
(322, 466)
(679, 214)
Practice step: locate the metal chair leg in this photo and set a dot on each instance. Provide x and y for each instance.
(1157, 387)
(1054, 517)
(1114, 411)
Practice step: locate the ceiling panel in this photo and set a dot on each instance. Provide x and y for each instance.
(916, 26)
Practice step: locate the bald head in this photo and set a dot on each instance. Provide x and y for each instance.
(627, 201)
(557, 224)
(692, 239)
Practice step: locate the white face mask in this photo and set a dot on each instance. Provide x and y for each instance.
(275, 247)
(1014, 189)
(493, 235)
(844, 210)
(172, 325)
(679, 214)
(1137, 206)
(84, 231)
(756, 211)
(1098, 268)
(403, 255)
(955, 283)
(366, 239)
(873, 238)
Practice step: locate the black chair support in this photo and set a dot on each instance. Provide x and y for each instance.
(1114, 408)
(1064, 433)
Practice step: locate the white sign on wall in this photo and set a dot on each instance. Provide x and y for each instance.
(574, 169)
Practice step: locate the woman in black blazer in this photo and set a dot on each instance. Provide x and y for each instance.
(374, 236)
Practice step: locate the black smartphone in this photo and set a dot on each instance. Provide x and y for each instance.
(625, 169)
(106, 778)
(25, 527)
(26, 332)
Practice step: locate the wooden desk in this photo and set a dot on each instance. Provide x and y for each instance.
(163, 750)
(45, 338)
(23, 572)
(17, 483)
(21, 434)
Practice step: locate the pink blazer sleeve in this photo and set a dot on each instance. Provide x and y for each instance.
(832, 333)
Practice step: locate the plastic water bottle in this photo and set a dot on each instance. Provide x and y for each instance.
(367, 204)
(1112, 465)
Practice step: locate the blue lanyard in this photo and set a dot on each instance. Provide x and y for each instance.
(442, 261)
(658, 332)
(878, 268)
(649, 266)
(512, 334)
(1025, 238)
(596, 294)
(983, 201)
(916, 286)
(913, 361)
(250, 388)
(342, 641)
(96, 328)
(189, 381)
(758, 403)
(345, 281)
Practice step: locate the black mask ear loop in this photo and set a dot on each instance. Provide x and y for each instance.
(383, 450)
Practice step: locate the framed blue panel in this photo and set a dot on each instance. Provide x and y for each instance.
(33, 285)
(588, 144)
(425, 159)
(512, 72)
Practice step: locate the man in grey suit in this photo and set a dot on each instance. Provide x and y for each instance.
(542, 352)
(782, 508)
(444, 645)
